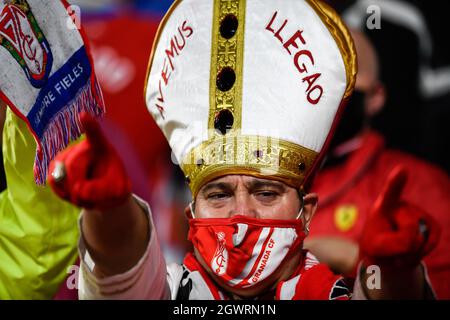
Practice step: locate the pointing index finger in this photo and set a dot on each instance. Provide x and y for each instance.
(93, 131)
(392, 190)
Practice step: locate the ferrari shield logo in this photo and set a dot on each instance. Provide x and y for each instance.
(345, 217)
(21, 35)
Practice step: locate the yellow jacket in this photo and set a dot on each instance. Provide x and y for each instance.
(38, 231)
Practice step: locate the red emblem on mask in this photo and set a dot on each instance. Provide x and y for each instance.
(220, 258)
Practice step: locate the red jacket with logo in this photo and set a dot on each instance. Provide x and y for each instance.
(348, 190)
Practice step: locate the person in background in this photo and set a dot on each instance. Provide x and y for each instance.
(415, 68)
(38, 234)
(354, 173)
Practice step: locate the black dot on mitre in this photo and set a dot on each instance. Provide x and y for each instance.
(229, 26)
(223, 121)
(301, 166)
(200, 162)
(226, 79)
(258, 153)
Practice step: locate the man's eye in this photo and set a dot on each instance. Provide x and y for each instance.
(218, 196)
(266, 194)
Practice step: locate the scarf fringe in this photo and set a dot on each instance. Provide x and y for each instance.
(64, 128)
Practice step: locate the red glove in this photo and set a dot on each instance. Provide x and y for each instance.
(397, 234)
(90, 174)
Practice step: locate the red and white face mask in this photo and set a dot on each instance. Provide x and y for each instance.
(245, 252)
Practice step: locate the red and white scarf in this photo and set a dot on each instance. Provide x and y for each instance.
(311, 281)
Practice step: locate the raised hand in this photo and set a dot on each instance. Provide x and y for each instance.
(90, 174)
(397, 234)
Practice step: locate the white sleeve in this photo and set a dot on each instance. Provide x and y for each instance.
(146, 280)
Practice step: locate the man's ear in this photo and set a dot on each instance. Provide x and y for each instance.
(310, 202)
(188, 212)
(375, 99)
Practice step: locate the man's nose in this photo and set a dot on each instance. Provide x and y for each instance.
(244, 206)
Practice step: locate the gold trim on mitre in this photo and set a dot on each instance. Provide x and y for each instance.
(227, 53)
(263, 157)
(158, 34)
(343, 39)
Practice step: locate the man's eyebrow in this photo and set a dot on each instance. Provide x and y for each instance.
(216, 185)
(256, 184)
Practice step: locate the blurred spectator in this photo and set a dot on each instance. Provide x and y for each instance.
(38, 231)
(353, 175)
(410, 38)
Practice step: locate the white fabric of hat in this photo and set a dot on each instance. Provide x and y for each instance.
(249, 87)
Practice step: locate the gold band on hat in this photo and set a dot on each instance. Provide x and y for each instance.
(263, 157)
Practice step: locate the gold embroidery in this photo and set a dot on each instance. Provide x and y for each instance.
(263, 157)
(227, 53)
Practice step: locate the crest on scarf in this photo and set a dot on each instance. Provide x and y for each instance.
(21, 35)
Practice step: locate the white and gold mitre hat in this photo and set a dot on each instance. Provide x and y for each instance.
(250, 87)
